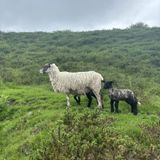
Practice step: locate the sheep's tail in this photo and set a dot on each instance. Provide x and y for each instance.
(138, 102)
(103, 80)
(101, 77)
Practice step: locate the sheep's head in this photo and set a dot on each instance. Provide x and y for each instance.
(49, 67)
(108, 84)
(45, 68)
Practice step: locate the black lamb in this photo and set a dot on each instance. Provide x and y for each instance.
(117, 95)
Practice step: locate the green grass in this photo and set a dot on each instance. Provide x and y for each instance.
(29, 113)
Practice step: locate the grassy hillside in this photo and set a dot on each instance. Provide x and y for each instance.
(34, 123)
(31, 117)
(124, 52)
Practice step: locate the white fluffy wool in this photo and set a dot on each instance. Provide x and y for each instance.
(75, 82)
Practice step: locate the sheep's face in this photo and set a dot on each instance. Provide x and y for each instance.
(45, 68)
(108, 84)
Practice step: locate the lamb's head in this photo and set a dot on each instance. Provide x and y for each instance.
(108, 84)
(45, 68)
(48, 67)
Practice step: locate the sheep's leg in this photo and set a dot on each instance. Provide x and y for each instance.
(116, 106)
(77, 98)
(98, 97)
(99, 101)
(112, 105)
(68, 101)
(90, 95)
(89, 99)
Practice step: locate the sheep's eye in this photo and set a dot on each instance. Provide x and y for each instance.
(45, 68)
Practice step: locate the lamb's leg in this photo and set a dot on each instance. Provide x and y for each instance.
(102, 101)
(112, 105)
(116, 106)
(93, 95)
(133, 104)
(89, 99)
(134, 109)
(77, 98)
(68, 102)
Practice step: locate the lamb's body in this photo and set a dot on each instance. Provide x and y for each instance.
(117, 95)
(121, 94)
(75, 83)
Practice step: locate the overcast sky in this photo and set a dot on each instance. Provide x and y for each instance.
(76, 15)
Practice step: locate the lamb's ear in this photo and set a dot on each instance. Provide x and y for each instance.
(112, 82)
(49, 64)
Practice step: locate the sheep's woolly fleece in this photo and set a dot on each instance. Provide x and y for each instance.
(74, 82)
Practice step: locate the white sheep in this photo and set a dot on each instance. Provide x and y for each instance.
(75, 83)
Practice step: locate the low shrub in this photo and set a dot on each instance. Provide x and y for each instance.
(90, 136)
